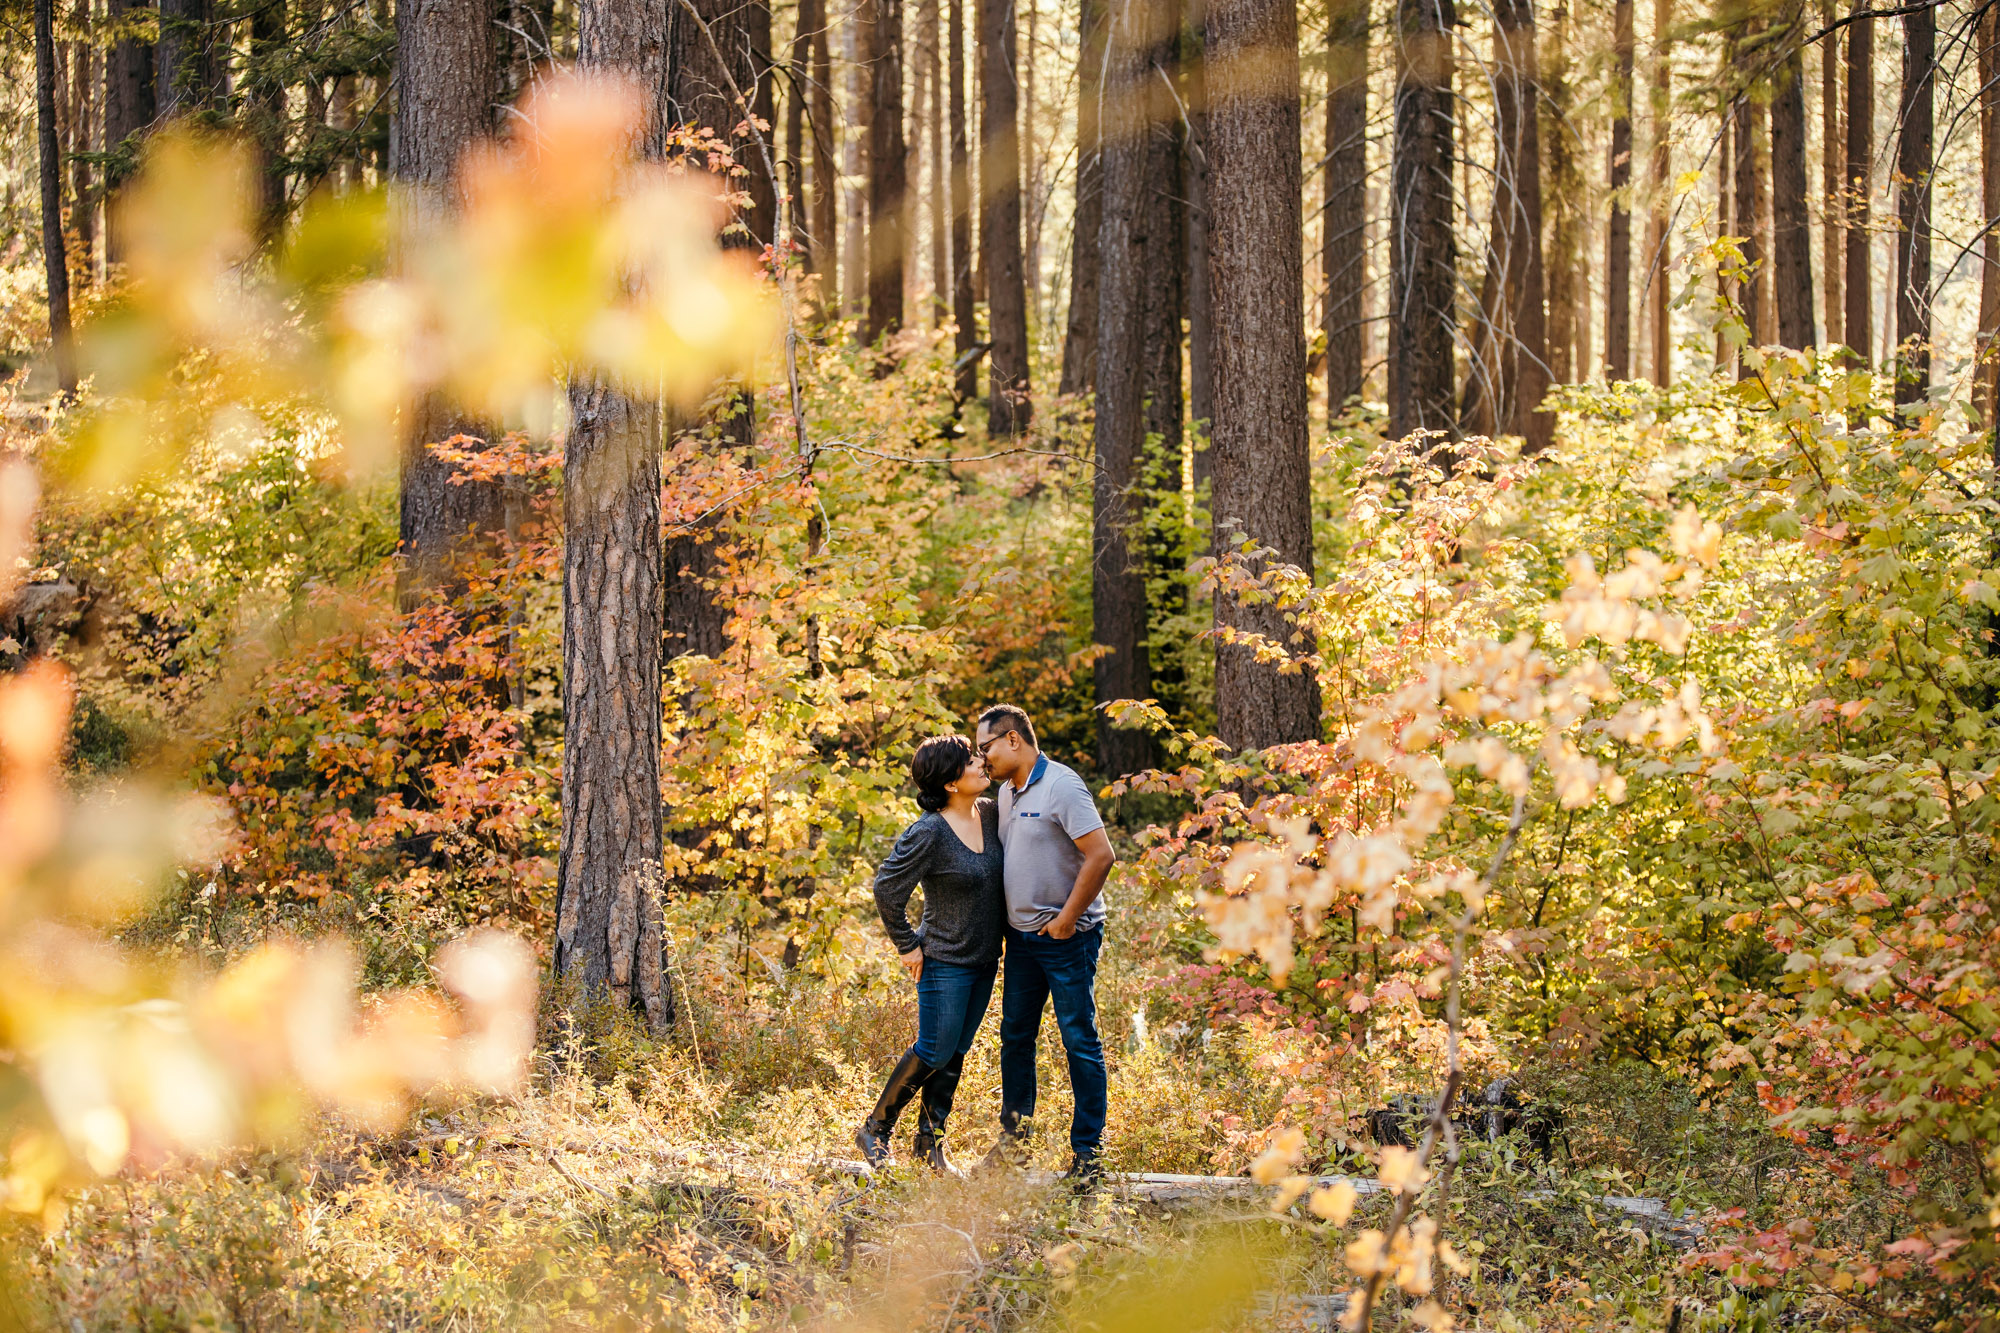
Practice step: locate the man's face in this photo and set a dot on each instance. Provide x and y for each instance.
(1002, 751)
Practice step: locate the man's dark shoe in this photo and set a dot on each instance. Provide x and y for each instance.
(1010, 1151)
(939, 1089)
(872, 1138)
(1085, 1174)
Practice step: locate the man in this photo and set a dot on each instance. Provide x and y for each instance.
(1056, 857)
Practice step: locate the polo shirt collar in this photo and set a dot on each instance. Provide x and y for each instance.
(1035, 774)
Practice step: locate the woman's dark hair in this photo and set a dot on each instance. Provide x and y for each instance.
(939, 760)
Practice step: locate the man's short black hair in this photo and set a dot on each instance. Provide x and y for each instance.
(1003, 718)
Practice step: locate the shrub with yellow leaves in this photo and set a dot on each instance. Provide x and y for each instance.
(112, 1062)
(1378, 829)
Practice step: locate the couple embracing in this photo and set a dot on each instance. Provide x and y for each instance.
(1022, 870)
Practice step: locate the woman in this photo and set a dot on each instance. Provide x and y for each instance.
(953, 850)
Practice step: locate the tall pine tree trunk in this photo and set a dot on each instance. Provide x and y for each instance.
(608, 929)
(1262, 470)
(1832, 177)
(1913, 209)
(1566, 202)
(449, 82)
(1343, 244)
(939, 201)
(1126, 254)
(1618, 244)
(1521, 326)
(128, 111)
(711, 70)
(1987, 376)
(1079, 363)
(1195, 188)
(854, 159)
(1725, 216)
(1031, 165)
(55, 255)
(1857, 319)
(265, 108)
(798, 73)
(1423, 251)
(1791, 226)
(1748, 197)
(963, 312)
(1008, 409)
(1660, 186)
(1165, 214)
(888, 171)
(826, 161)
(83, 84)
(187, 76)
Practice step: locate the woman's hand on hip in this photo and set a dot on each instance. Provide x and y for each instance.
(913, 961)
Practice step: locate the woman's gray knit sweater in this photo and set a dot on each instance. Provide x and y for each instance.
(965, 901)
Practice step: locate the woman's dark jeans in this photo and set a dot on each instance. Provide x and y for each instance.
(951, 1001)
(1041, 970)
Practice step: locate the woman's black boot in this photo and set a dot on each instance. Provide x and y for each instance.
(872, 1138)
(939, 1090)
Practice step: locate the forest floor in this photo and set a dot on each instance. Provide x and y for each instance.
(707, 1184)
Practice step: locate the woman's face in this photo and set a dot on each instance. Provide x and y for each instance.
(973, 780)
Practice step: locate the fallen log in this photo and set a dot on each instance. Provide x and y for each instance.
(1169, 1191)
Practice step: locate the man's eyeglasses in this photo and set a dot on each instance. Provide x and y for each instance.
(991, 741)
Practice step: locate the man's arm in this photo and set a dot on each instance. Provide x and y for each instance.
(1098, 859)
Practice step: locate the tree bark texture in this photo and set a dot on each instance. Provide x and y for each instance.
(1618, 240)
(1566, 199)
(1508, 376)
(1791, 225)
(1195, 188)
(1343, 244)
(264, 109)
(128, 111)
(82, 96)
(1986, 377)
(1008, 406)
(825, 160)
(704, 90)
(700, 92)
(1748, 198)
(1832, 178)
(1858, 316)
(940, 166)
(1658, 286)
(1423, 251)
(55, 255)
(1725, 214)
(188, 77)
(608, 930)
(798, 78)
(1079, 361)
(1033, 191)
(1262, 469)
(448, 85)
(128, 77)
(854, 162)
(1118, 579)
(1913, 209)
(888, 170)
(963, 311)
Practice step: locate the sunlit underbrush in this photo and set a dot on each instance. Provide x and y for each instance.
(708, 1184)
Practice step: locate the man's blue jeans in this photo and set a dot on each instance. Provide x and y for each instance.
(1040, 970)
(951, 1001)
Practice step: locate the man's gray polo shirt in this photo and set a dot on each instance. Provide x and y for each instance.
(1039, 827)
